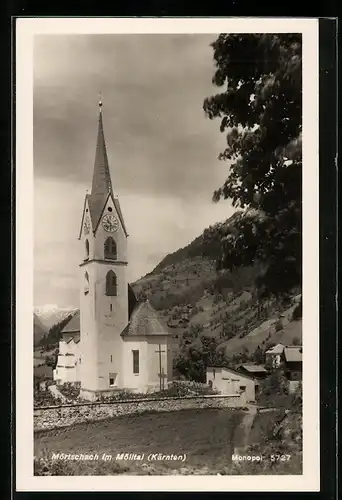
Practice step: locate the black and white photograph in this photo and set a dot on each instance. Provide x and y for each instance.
(167, 228)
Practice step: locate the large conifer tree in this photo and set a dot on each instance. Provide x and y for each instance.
(260, 111)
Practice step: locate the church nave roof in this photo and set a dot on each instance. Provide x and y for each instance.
(145, 321)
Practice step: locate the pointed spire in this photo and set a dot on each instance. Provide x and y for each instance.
(101, 178)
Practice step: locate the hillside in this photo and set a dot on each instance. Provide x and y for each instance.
(195, 299)
(39, 330)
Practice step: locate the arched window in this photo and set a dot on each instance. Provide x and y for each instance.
(111, 284)
(86, 256)
(110, 251)
(86, 283)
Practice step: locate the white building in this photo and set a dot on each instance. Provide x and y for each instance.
(273, 356)
(122, 344)
(229, 381)
(69, 357)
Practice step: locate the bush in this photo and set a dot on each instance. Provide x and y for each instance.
(274, 393)
(45, 398)
(47, 467)
(177, 388)
(70, 391)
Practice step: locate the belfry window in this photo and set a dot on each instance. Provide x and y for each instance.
(86, 255)
(86, 283)
(111, 284)
(110, 251)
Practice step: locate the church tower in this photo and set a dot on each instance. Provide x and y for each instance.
(103, 287)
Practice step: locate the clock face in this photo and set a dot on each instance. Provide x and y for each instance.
(110, 223)
(86, 226)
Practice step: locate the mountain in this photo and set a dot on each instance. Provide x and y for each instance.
(196, 299)
(39, 330)
(51, 314)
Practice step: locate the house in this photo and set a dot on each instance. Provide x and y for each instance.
(69, 357)
(228, 381)
(255, 371)
(293, 365)
(273, 356)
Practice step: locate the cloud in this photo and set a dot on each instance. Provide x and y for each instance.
(153, 89)
(156, 225)
(162, 150)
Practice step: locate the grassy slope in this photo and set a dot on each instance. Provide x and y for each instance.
(286, 443)
(223, 304)
(206, 436)
(39, 330)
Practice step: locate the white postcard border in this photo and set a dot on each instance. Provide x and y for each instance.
(26, 29)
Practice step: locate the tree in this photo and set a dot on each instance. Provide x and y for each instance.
(298, 311)
(244, 354)
(258, 355)
(194, 358)
(260, 110)
(54, 334)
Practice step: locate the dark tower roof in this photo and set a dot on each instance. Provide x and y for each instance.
(102, 183)
(145, 321)
(101, 188)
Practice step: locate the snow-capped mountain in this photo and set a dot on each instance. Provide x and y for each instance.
(51, 314)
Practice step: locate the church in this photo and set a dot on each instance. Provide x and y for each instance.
(113, 342)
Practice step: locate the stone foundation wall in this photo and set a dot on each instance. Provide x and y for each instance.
(62, 416)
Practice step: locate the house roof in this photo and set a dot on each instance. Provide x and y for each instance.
(277, 349)
(68, 337)
(145, 321)
(293, 354)
(226, 368)
(254, 368)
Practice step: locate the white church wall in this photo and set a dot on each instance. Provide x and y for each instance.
(102, 320)
(88, 329)
(137, 382)
(155, 364)
(63, 347)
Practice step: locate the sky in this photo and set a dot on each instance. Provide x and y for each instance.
(162, 149)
